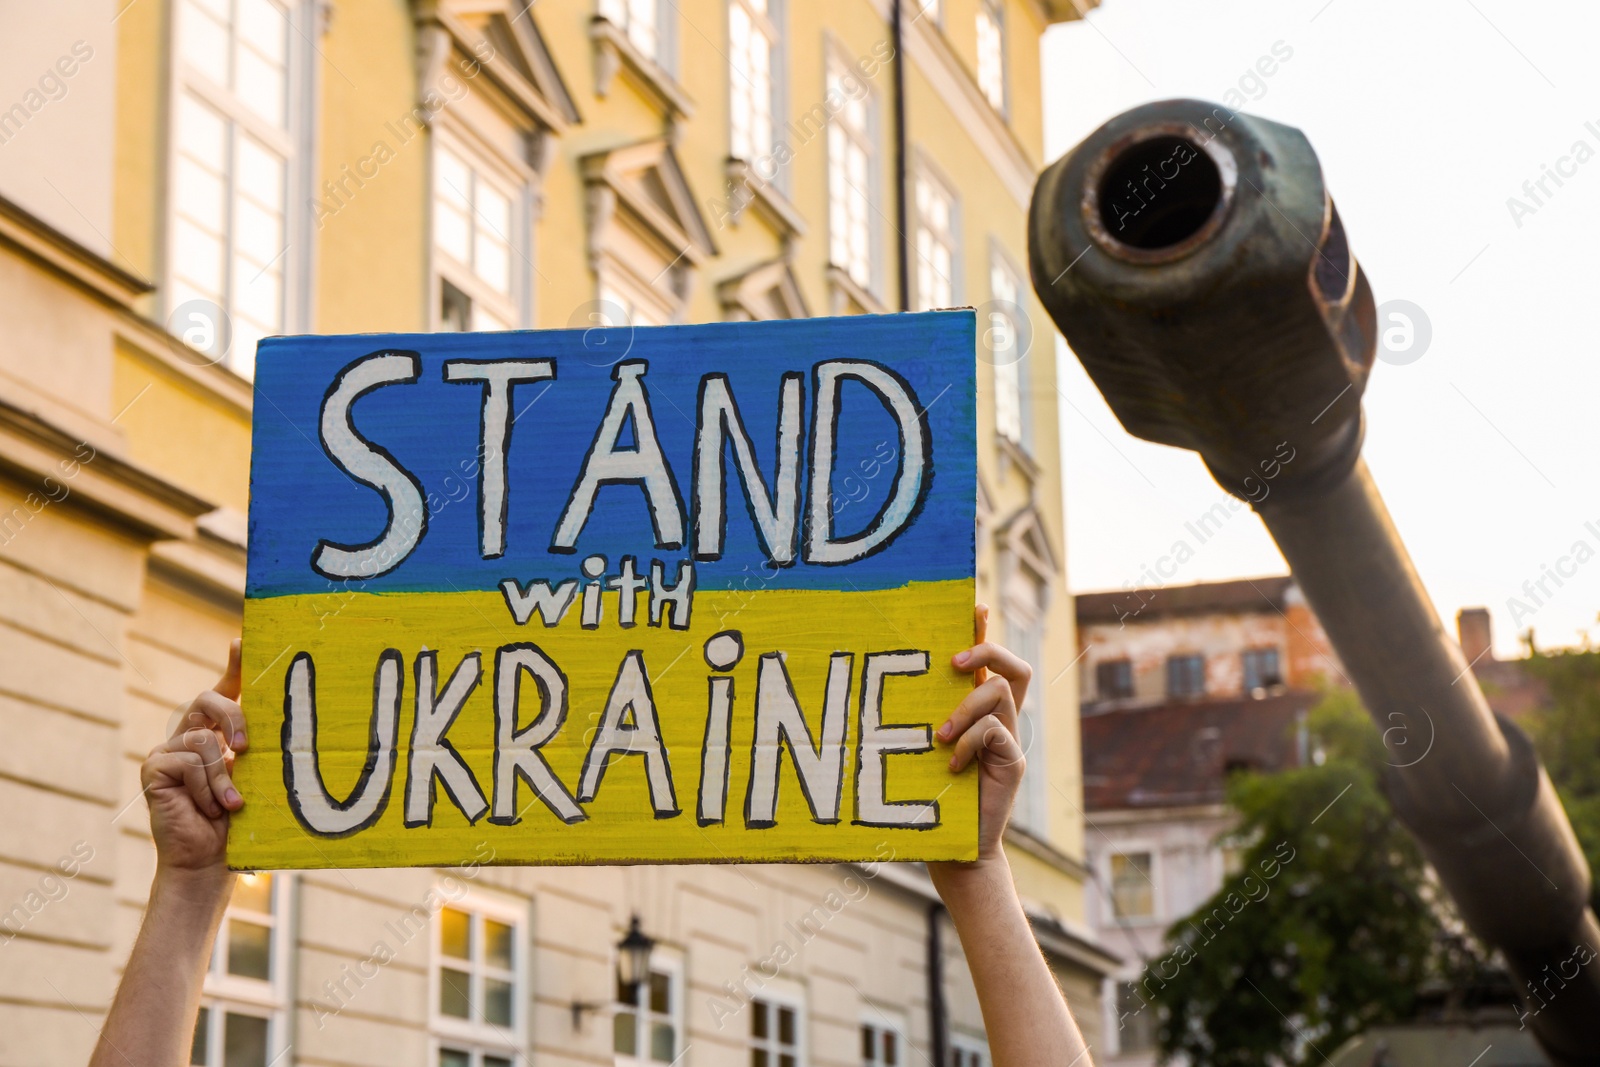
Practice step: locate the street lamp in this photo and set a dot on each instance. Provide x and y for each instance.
(633, 956)
(633, 967)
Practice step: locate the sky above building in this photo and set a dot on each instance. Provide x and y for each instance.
(1435, 121)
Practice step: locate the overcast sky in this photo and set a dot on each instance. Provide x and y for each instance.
(1428, 116)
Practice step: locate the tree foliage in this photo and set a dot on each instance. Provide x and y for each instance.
(1330, 924)
(1566, 731)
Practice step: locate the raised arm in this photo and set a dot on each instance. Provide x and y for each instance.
(187, 786)
(1024, 1012)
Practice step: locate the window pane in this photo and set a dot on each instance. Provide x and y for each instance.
(200, 1047)
(496, 1061)
(663, 1042)
(758, 1058)
(257, 293)
(660, 993)
(202, 133)
(258, 233)
(260, 85)
(497, 1001)
(455, 993)
(260, 173)
(249, 949)
(253, 892)
(244, 1041)
(200, 194)
(451, 231)
(758, 1019)
(497, 944)
(1132, 893)
(263, 27)
(203, 43)
(494, 210)
(449, 1057)
(786, 1060)
(455, 181)
(624, 1033)
(492, 260)
(891, 1048)
(786, 1025)
(455, 933)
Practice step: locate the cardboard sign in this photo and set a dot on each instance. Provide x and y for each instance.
(674, 594)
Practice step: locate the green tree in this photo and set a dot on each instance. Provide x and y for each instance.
(1566, 732)
(1329, 926)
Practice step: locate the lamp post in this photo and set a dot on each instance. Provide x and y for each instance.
(633, 956)
(633, 967)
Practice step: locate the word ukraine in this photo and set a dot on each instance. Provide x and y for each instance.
(654, 636)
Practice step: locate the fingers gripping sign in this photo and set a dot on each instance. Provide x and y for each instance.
(187, 778)
(984, 728)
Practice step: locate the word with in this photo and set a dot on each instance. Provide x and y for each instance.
(1582, 956)
(763, 170)
(628, 727)
(339, 192)
(51, 888)
(354, 978)
(12, 523)
(852, 890)
(1230, 906)
(552, 603)
(1566, 167)
(52, 87)
(1538, 591)
(1153, 579)
(641, 462)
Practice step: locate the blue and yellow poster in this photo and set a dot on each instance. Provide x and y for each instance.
(675, 594)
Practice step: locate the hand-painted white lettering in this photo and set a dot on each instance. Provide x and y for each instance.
(643, 465)
(307, 793)
(780, 724)
(628, 727)
(497, 377)
(776, 513)
(876, 742)
(370, 465)
(910, 480)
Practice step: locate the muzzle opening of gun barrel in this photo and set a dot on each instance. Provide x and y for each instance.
(1157, 195)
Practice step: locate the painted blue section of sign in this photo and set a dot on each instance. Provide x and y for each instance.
(431, 428)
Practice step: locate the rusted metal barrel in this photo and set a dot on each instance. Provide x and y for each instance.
(1195, 263)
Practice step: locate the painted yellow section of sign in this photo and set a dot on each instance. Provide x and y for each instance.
(347, 634)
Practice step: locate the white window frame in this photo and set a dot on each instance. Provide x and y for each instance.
(926, 172)
(1134, 848)
(481, 1038)
(867, 139)
(222, 993)
(514, 308)
(967, 1050)
(660, 45)
(1032, 809)
(775, 998)
(883, 1022)
(770, 25)
(993, 75)
(293, 143)
(1011, 420)
(670, 964)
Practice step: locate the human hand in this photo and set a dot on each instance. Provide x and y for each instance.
(187, 784)
(984, 728)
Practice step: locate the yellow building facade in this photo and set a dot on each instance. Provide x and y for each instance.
(179, 178)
